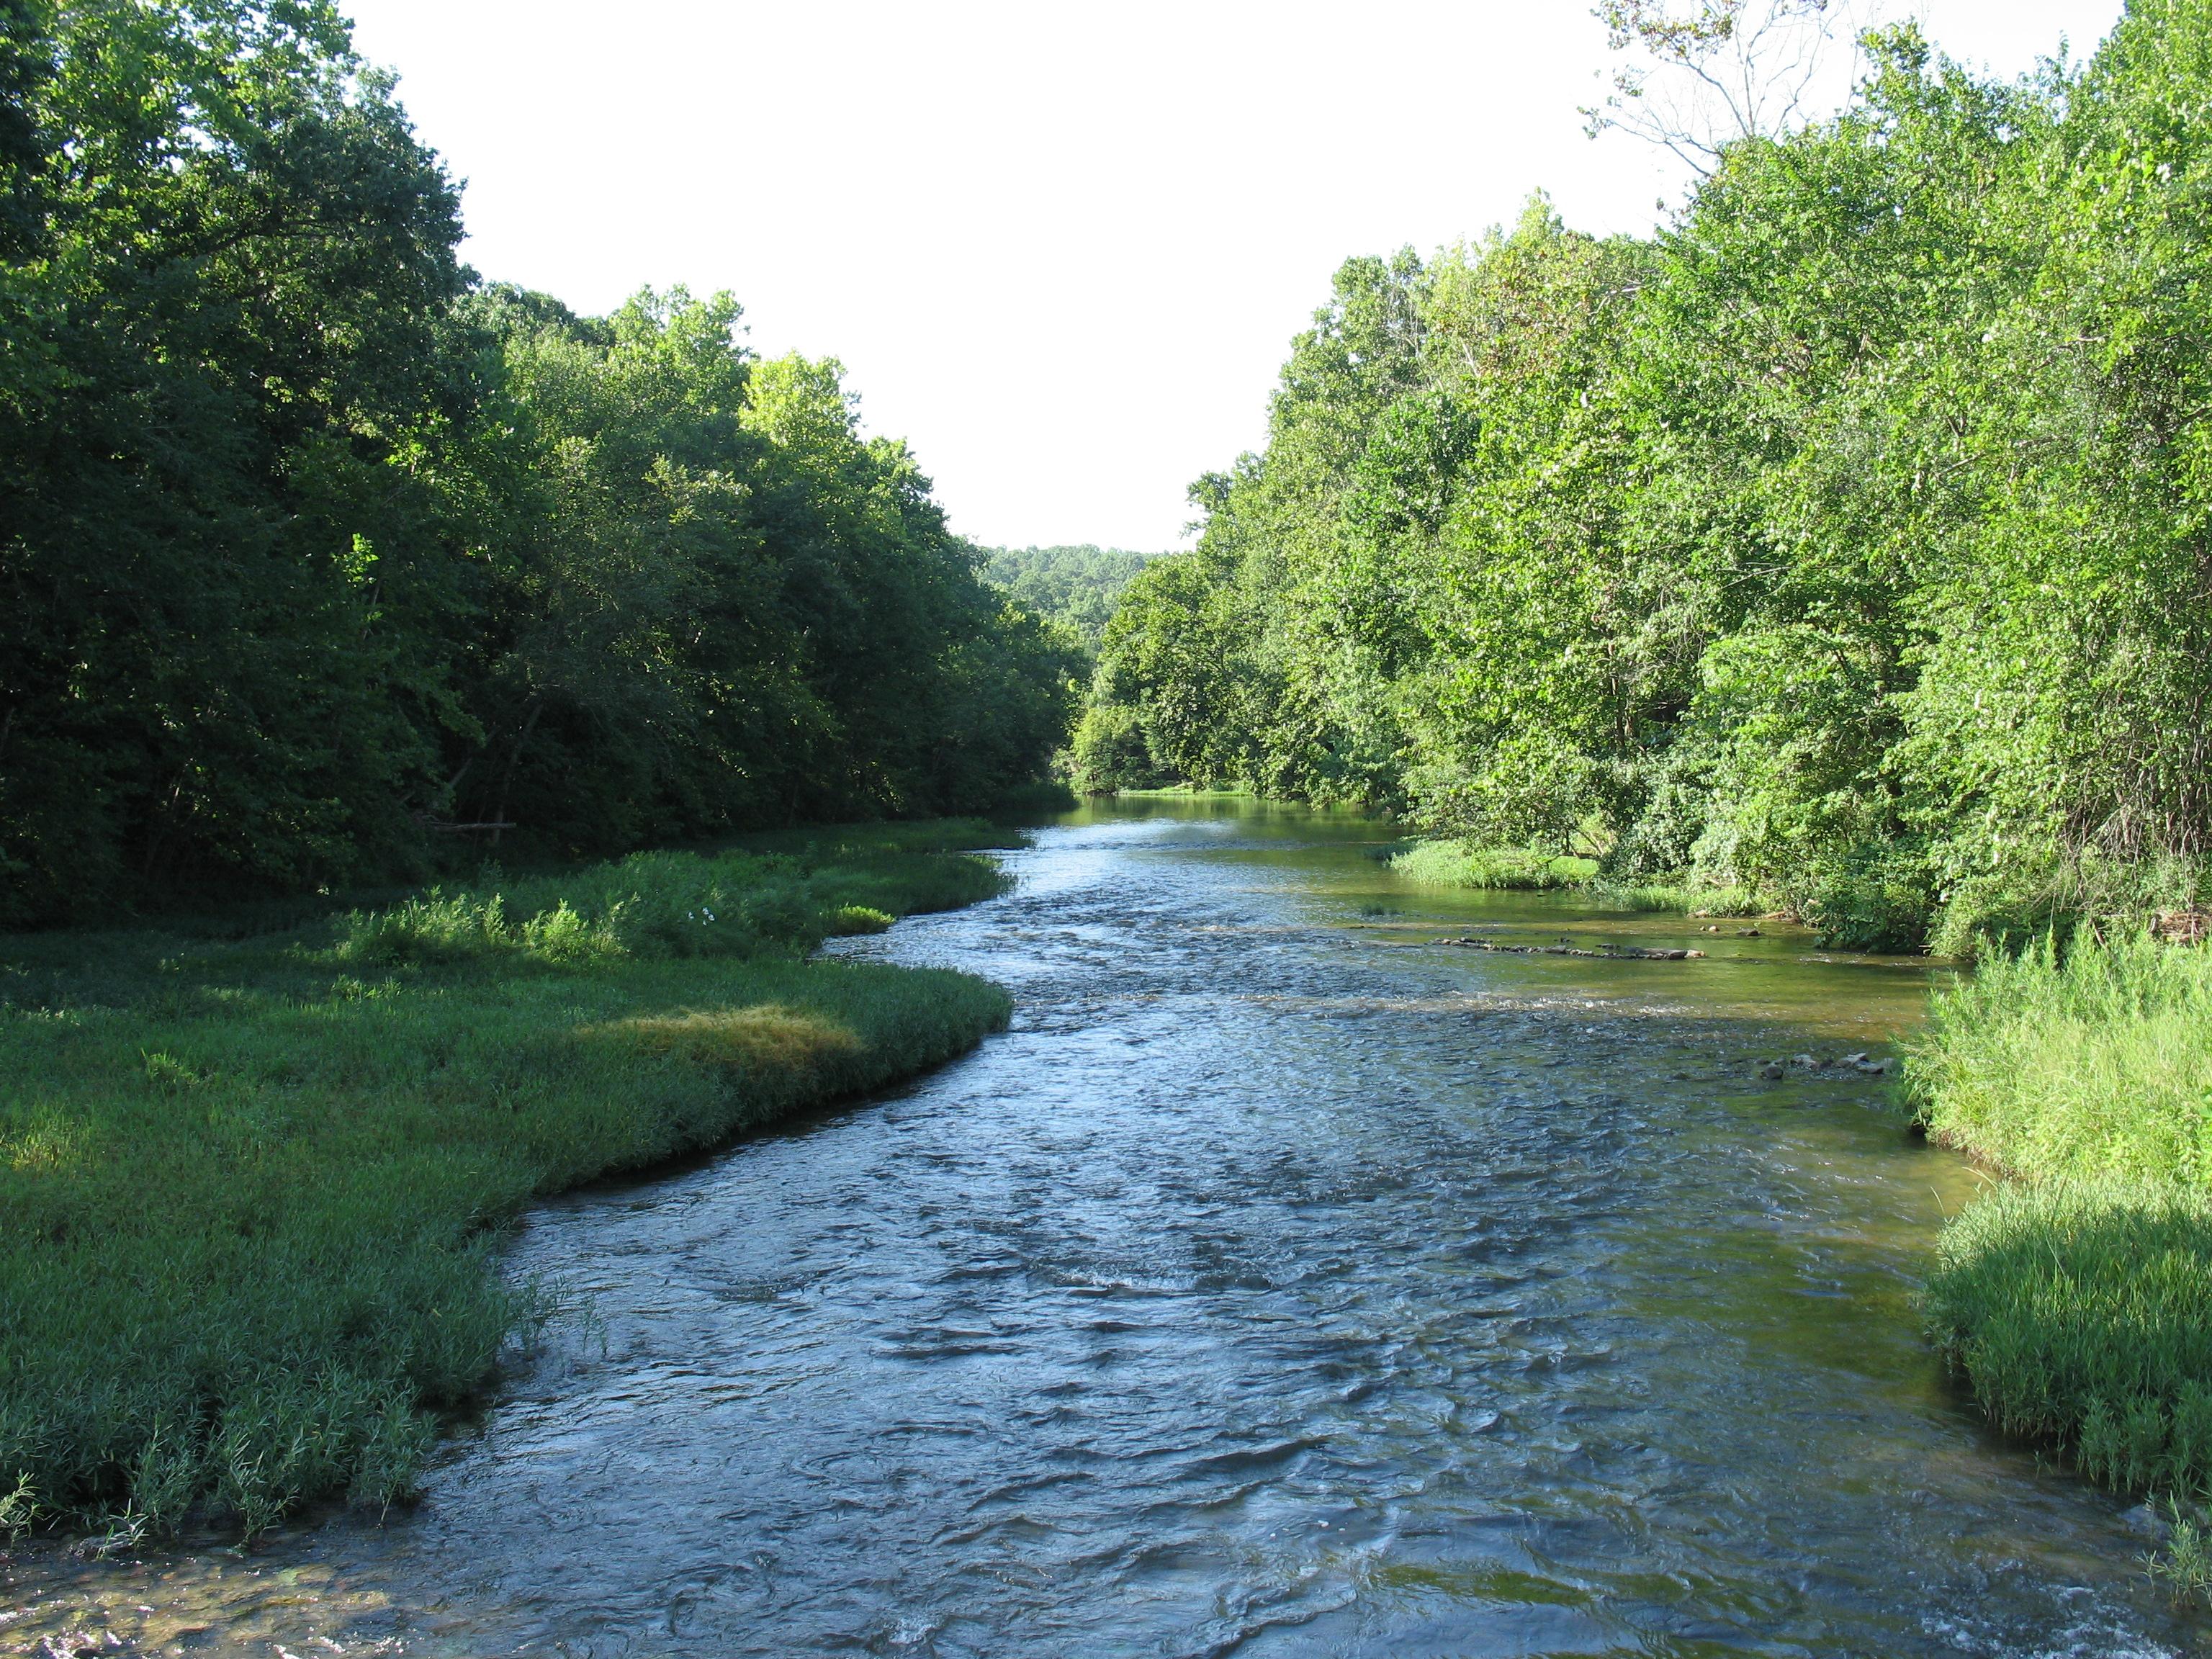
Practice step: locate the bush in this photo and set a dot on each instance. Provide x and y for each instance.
(1879, 898)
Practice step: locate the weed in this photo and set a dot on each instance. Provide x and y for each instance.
(1461, 864)
(2098, 1062)
(2185, 1565)
(17, 1508)
(1682, 898)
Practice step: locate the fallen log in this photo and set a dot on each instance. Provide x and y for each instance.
(1612, 953)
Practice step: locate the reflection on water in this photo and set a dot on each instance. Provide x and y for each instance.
(1282, 1283)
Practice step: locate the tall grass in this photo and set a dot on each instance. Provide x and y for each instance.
(249, 1192)
(2080, 1312)
(1682, 898)
(2076, 1299)
(1460, 864)
(2097, 1063)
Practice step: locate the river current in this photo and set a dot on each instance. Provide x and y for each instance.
(1283, 1283)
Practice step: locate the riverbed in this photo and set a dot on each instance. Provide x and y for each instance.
(1284, 1282)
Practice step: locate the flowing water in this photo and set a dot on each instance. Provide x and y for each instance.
(1283, 1283)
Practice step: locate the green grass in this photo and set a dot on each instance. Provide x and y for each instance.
(1462, 864)
(1683, 898)
(1457, 864)
(251, 1191)
(2097, 1064)
(2080, 1312)
(2076, 1298)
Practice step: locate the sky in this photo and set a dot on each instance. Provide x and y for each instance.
(1060, 247)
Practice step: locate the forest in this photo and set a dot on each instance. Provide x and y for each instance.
(1844, 541)
(327, 563)
(1077, 588)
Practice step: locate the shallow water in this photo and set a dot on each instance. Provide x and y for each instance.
(1283, 1283)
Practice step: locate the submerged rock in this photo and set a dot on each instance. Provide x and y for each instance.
(2146, 1520)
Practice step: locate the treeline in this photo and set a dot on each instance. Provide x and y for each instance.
(314, 551)
(1847, 540)
(1076, 587)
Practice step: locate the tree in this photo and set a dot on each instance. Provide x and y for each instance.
(1697, 75)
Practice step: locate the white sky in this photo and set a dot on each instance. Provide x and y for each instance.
(1060, 247)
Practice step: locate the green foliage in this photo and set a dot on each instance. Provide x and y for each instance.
(247, 1190)
(2184, 1566)
(1455, 863)
(1684, 897)
(1074, 587)
(312, 554)
(2077, 1300)
(2081, 1312)
(1112, 752)
(2097, 1063)
(1844, 543)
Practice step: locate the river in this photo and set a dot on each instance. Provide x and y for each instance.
(1283, 1283)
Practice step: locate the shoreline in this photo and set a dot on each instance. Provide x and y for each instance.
(258, 1191)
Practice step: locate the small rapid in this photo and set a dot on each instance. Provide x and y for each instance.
(1283, 1283)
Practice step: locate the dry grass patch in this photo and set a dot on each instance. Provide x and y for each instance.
(768, 1034)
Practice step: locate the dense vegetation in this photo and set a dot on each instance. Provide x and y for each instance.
(1077, 588)
(2078, 1301)
(247, 1184)
(314, 549)
(1847, 541)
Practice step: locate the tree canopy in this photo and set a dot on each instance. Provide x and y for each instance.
(315, 551)
(1846, 538)
(1075, 586)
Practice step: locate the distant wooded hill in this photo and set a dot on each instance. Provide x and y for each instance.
(1078, 586)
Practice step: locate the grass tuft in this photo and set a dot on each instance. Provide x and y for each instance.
(250, 1190)
(2080, 1312)
(2185, 1565)
(1462, 864)
(768, 1034)
(1683, 898)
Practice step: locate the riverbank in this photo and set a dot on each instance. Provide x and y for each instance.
(2075, 1299)
(251, 1189)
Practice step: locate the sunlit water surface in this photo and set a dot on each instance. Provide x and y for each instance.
(1283, 1283)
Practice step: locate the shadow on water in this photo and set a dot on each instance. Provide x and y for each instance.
(1282, 1283)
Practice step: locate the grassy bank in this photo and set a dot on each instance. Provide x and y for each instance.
(2076, 1299)
(250, 1189)
(1464, 864)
